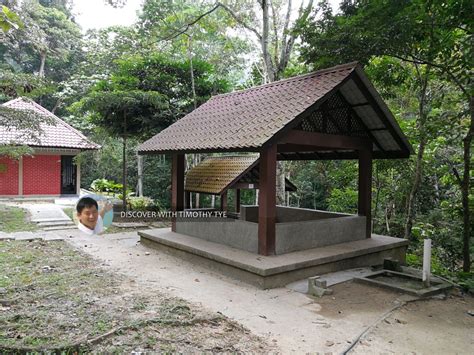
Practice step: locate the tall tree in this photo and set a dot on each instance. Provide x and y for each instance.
(143, 96)
(48, 36)
(435, 34)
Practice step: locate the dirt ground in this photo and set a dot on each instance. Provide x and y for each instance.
(54, 297)
(128, 297)
(292, 321)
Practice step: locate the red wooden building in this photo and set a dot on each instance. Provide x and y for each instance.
(50, 171)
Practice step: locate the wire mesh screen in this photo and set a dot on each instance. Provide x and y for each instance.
(335, 116)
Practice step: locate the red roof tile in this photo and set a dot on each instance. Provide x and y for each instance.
(59, 135)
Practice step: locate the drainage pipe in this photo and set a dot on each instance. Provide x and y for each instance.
(426, 262)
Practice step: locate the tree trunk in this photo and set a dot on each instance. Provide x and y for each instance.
(414, 189)
(465, 188)
(42, 64)
(140, 175)
(56, 105)
(190, 55)
(124, 166)
(267, 58)
(421, 149)
(377, 194)
(280, 183)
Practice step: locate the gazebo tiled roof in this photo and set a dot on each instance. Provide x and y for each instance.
(58, 135)
(339, 100)
(215, 175)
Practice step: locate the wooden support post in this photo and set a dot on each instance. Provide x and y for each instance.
(140, 175)
(237, 200)
(187, 200)
(267, 201)
(224, 201)
(365, 188)
(177, 186)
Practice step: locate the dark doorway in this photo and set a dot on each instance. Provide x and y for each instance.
(68, 175)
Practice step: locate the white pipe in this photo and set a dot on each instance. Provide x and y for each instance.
(426, 262)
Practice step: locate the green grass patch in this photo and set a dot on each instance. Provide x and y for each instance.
(69, 211)
(15, 219)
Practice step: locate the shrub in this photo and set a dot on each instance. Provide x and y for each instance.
(104, 185)
(140, 203)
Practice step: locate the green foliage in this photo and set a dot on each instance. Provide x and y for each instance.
(48, 37)
(129, 195)
(466, 281)
(14, 84)
(149, 93)
(9, 19)
(163, 27)
(14, 151)
(343, 200)
(104, 185)
(142, 204)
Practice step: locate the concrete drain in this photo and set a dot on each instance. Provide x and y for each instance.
(406, 283)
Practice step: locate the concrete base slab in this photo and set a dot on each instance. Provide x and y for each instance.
(130, 225)
(52, 236)
(276, 271)
(25, 236)
(404, 282)
(332, 278)
(5, 236)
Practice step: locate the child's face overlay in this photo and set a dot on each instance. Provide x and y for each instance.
(89, 216)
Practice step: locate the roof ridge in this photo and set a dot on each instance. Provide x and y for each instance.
(52, 115)
(352, 65)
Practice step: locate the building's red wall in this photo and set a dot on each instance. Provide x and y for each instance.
(42, 175)
(9, 178)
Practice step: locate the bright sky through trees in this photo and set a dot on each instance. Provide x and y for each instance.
(97, 14)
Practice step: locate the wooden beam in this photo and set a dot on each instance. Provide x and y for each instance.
(267, 201)
(326, 141)
(245, 186)
(361, 122)
(370, 99)
(177, 186)
(224, 201)
(237, 200)
(365, 189)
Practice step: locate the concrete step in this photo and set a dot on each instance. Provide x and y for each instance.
(55, 228)
(55, 223)
(54, 219)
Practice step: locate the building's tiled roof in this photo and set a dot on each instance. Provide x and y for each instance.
(57, 135)
(246, 120)
(215, 175)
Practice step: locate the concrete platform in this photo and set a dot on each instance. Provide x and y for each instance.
(276, 271)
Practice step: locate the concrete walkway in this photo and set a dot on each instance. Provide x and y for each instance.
(40, 235)
(45, 212)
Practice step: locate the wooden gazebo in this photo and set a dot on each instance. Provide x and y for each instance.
(334, 113)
